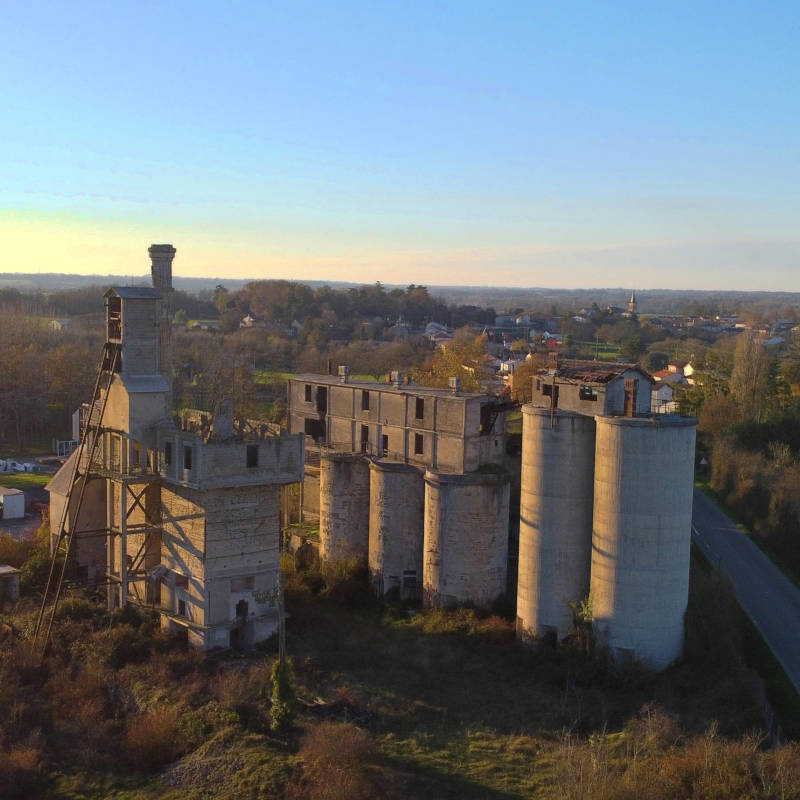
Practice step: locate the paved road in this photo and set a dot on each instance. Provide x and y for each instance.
(770, 599)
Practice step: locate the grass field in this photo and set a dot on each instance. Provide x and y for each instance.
(24, 480)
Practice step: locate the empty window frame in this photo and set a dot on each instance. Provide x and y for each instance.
(547, 389)
(187, 456)
(419, 444)
(308, 393)
(252, 456)
(420, 409)
(385, 443)
(167, 454)
(587, 393)
(364, 400)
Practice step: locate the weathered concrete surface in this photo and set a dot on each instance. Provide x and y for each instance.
(555, 528)
(396, 524)
(344, 506)
(643, 485)
(466, 538)
(765, 594)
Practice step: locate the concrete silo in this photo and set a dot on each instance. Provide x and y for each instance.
(397, 504)
(343, 506)
(555, 527)
(466, 538)
(643, 483)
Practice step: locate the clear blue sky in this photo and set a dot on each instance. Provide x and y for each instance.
(555, 144)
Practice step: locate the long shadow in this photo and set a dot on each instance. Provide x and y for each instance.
(422, 781)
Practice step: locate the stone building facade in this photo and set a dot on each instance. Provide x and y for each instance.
(177, 512)
(396, 463)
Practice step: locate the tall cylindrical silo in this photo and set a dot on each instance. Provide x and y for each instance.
(466, 538)
(643, 484)
(397, 504)
(555, 525)
(343, 506)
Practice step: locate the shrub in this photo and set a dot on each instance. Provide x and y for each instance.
(283, 699)
(338, 764)
(20, 775)
(151, 739)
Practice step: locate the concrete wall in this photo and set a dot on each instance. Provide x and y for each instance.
(218, 465)
(344, 506)
(396, 524)
(13, 505)
(555, 527)
(610, 396)
(242, 562)
(182, 550)
(615, 394)
(465, 539)
(448, 427)
(140, 336)
(90, 551)
(643, 488)
(311, 491)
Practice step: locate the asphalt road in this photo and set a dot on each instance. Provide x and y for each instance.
(767, 596)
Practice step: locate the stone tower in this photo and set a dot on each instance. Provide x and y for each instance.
(161, 256)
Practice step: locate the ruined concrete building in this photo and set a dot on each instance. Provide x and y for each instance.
(605, 511)
(179, 512)
(409, 478)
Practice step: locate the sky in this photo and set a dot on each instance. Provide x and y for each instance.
(562, 144)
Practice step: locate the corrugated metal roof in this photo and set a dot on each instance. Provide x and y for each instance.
(595, 371)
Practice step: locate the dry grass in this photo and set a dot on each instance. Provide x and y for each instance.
(151, 739)
(339, 763)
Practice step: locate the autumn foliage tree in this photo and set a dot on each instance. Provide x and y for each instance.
(465, 356)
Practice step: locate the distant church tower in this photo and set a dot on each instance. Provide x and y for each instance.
(632, 303)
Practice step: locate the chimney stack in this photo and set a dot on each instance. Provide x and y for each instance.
(161, 256)
(344, 372)
(396, 378)
(455, 384)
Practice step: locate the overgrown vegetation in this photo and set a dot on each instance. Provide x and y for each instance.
(391, 702)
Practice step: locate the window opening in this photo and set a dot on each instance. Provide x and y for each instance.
(252, 456)
(364, 400)
(308, 393)
(420, 410)
(187, 457)
(419, 445)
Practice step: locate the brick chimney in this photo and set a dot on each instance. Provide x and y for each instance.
(161, 256)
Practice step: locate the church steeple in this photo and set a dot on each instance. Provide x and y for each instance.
(632, 303)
